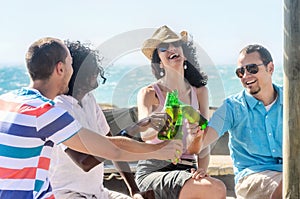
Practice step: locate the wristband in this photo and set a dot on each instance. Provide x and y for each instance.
(124, 133)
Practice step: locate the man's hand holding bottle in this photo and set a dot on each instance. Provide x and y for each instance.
(195, 124)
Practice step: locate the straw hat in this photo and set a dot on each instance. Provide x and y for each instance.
(162, 35)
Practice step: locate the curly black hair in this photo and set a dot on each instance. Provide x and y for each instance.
(86, 62)
(192, 73)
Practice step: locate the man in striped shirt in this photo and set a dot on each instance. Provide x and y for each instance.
(30, 125)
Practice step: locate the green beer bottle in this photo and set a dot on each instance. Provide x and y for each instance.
(177, 110)
(193, 116)
(172, 107)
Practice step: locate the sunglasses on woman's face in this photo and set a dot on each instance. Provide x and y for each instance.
(163, 47)
(251, 68)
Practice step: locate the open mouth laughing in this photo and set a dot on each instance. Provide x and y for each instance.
(250, 82)
(174, 56)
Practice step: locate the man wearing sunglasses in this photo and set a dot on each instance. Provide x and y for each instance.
(253, 119)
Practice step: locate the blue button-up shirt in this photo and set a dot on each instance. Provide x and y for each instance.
(255, 135)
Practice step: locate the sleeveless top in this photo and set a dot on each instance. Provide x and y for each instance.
(195, 105)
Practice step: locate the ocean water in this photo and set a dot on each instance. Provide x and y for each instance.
(124, 81)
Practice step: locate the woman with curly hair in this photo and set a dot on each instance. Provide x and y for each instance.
(174, 64)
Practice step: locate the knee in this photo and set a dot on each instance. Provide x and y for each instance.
(216, 189)
(277, 194)
(220, 189)
(208, 187)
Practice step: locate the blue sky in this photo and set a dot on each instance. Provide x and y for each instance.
(221, 28)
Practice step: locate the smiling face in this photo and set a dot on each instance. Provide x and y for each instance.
(171, 56)
(259, 82)
(92, 79)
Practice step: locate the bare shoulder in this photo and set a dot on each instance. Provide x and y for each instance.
(146, 92)
(203, 90)
(145, 101)
(203, 101)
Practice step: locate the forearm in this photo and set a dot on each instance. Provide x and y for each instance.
(210, 136)
(149, 134)
(195, 143)
(136, 128)
(198, 139)
(126, 173)
(203, 162)
(85, 161)
(148, 126)
(94, 144)
(141, 151)
(86, 141)
(134, 146)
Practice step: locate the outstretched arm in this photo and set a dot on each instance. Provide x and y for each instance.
(195, 135)
(197, 138)
(203, 161)
(87, 141)
(156, 121)
(200, 139)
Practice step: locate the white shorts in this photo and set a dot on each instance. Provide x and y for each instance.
(258, 185)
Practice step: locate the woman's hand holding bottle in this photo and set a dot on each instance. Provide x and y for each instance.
(172, 107)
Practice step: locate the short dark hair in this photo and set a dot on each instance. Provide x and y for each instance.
(85, 62)
(43, 55)
(192, 73)
(264, 54)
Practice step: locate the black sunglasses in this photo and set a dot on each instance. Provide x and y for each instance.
(163, 47)
(251, 68)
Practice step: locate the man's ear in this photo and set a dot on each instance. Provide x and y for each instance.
(270, 67)
(59, 68)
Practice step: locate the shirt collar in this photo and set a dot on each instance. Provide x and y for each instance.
(72, 100)
(34, 93)
(67, 98)
(252, 101)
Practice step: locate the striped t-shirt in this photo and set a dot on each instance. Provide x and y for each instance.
(30, 125)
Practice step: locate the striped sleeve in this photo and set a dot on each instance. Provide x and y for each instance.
(57, 125)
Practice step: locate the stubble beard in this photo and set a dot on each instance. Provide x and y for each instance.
(254, 91)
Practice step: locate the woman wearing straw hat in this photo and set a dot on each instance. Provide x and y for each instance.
(174, 64)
